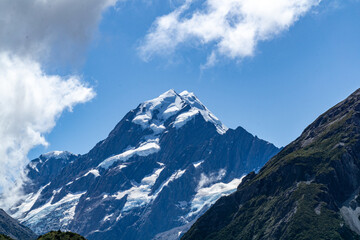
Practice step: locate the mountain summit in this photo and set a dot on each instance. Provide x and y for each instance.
(164, 164)
(310, 190)
(153, 114)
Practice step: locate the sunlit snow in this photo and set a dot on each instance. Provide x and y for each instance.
(143, 150)
(27, 204)
(197, 164)
(64, 208)
(169, 104)
(94, 172)
(207, 196)
(138, 196)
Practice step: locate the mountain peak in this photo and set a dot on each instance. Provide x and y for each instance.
(186, 93)
(158, 170)
(56, 154)
(154, 113)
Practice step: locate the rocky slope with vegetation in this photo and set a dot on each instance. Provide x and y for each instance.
(53, 235)
(58, 235)
(310, 190)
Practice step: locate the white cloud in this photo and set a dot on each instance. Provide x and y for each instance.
(233, 27)
(30, 103)
(32, 34)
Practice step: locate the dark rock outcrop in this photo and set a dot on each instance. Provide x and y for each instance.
(12, 228)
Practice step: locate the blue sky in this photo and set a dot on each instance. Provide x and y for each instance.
(289, 80)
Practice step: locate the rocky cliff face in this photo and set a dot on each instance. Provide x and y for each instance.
(310, 190)
(163, 165)
(12, 228)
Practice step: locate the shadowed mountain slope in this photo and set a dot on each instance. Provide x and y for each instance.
(12, 228)
(310, 190)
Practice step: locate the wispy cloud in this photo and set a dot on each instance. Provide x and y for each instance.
(233, 27)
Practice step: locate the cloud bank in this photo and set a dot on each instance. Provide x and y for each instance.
(30, 103)
(48, 28)
(32, 34)
(232, 28)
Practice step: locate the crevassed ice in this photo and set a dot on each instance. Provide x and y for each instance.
(138, 196)
(170, 103)
(145, 149)
(28, 202)
(207, 196)
(65, 207)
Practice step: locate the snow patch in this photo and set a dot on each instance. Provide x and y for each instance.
(94, 172)
(207, 196)
(183, 118)
(108, 217)
(214, 177)
(138, 196)
(121, 166)
(142, 120)
(318, 209)
(157, 129)
(351, 217)
(197, 164)
(145, 149)
(65, 208)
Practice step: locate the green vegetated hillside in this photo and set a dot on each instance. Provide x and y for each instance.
(58, 235)
(53, 235)
(310, 190)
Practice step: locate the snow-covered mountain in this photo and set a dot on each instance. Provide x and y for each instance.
(163, 165)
